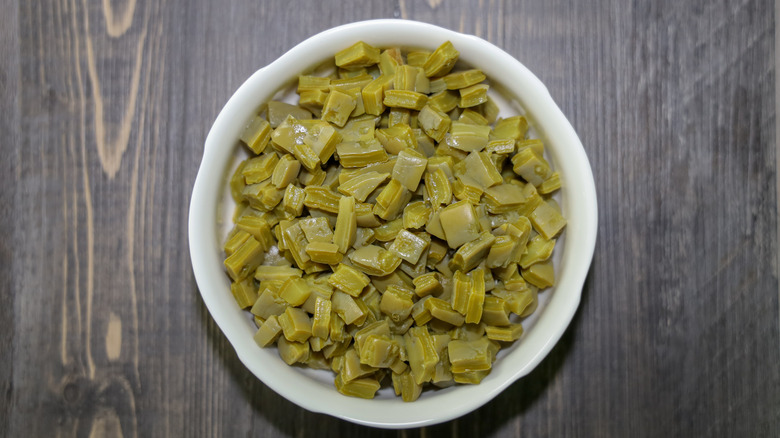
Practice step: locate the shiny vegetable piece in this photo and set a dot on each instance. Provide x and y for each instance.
(509, 333)
(362, 185)
(306, 156)
(463, 79)
(416, 215)
(405, 386)
(238, 183)
(443, 311)
(444, 101)
(286, 171)
(397, 138)
(292, 352)
(296, 324)
(399, 116)
(268, 332)
(260, 168)
(473, 95)
(408, 246)
(500, 252)
(461, 288)
(547, 221)
(409, 168)
(538, 250)
(245, 259)
(470, 254)
(313, 100)
(365, 215)
(295, 241)
(472, 117)
(500, 147)
(346, 307)
(441, 61)
(389, 60)
(359, 154)
(397, 303)
(244, 292)
(471, 377)
(321, 199)
(258, 228)
(375, 261)
(276, 273)
(433, 226)
(513, 128)
(389, 230)
(309, 83)
(480, 168)
(551, 184)
(495, 311)
(312, 177)
(360, 129)
(427, 284)
(316, 229)
(288, 133)
(406, 78)
(467, 137)
(294, 291)
(541, 275)
(471, 355)
(421, 353)
(460, 224)
(293, 200)
(362, 388)
(268, 304)
(438, 187)
(391, 200)
(278, 112)
(322, 138)
(357, 56)
(374, 94)
(417, 57)
(434, 122)
(511, 197)
(405, 99)
(436, 251)
(324, 252)
(532, 167)
(346, 224)
(379, 351)
(534, 144)
(257, 134)
(235, 241)
(379, 328)
(476, 296)
(320, 326)
(338, 107)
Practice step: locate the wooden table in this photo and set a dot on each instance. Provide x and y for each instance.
(105, 107)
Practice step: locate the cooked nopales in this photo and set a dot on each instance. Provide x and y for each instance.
(390, 227)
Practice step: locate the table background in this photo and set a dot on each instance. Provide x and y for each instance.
(104, 108)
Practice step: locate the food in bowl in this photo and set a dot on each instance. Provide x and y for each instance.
(390, 227)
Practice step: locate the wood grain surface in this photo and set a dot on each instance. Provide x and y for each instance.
(105, 107)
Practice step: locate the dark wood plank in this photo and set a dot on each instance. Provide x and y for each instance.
(109, 104)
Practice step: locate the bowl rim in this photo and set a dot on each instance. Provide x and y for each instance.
(205, 244)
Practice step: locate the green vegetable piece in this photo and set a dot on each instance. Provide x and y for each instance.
(324, 252)
(532, 167)
(379, 328)
(405, 99)
(338, 107)
(258, 228)
(295, 241)
(473, 95)
(360, 154)
(417, 57)
(245, 259)
(235, 241)
(547, 221)
(463, 79)
(309, 83)
(285, 171)
(476, 296)
(443, 311)
(389, 230)
(294, 291)
(471, 377)
(461, 288)
(276, 273)
(359, 129)
(480, 168)
(421, 352)
(436, 252)
(268, 332)
(409, 168)
(357, 56)
(306, 156)
(361, 388)
(316, 229)
(278, 112)
(427, 284)
(511, 197)
(489, 110)
(293, 200)
(244, 292)
(441, 61)
(312, 177)
(471, 355)
(460, 224)
(313, 101)
(363, 236)
(296, 324)
(444, 101)
(437, 86)
(374, 94)
(346, 225)
(438, 187)
(288, 133)
(550, 185)
(538, 250)
(379, 351)
(405, 386)
(375, 261)
(391, 200)
(471, 253)
(322, 138)
(238, 183)
(408, 246)
(321, 199)
(495, 311)
(365, 215)
(501, 147)
(399, 116)
(411, 78)
(534, 144)
(541, 275)
(260, 168)
(510, 333)
(346, 307)
(362, 185)
(397, 138)
(293, 352)
(257, 134)
(434, 122)
(269, 304)
(467, 137)
(471, 117)
(416, 215)
(500, 253)
(513, 128)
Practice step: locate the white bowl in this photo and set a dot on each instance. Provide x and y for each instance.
(211, 208)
